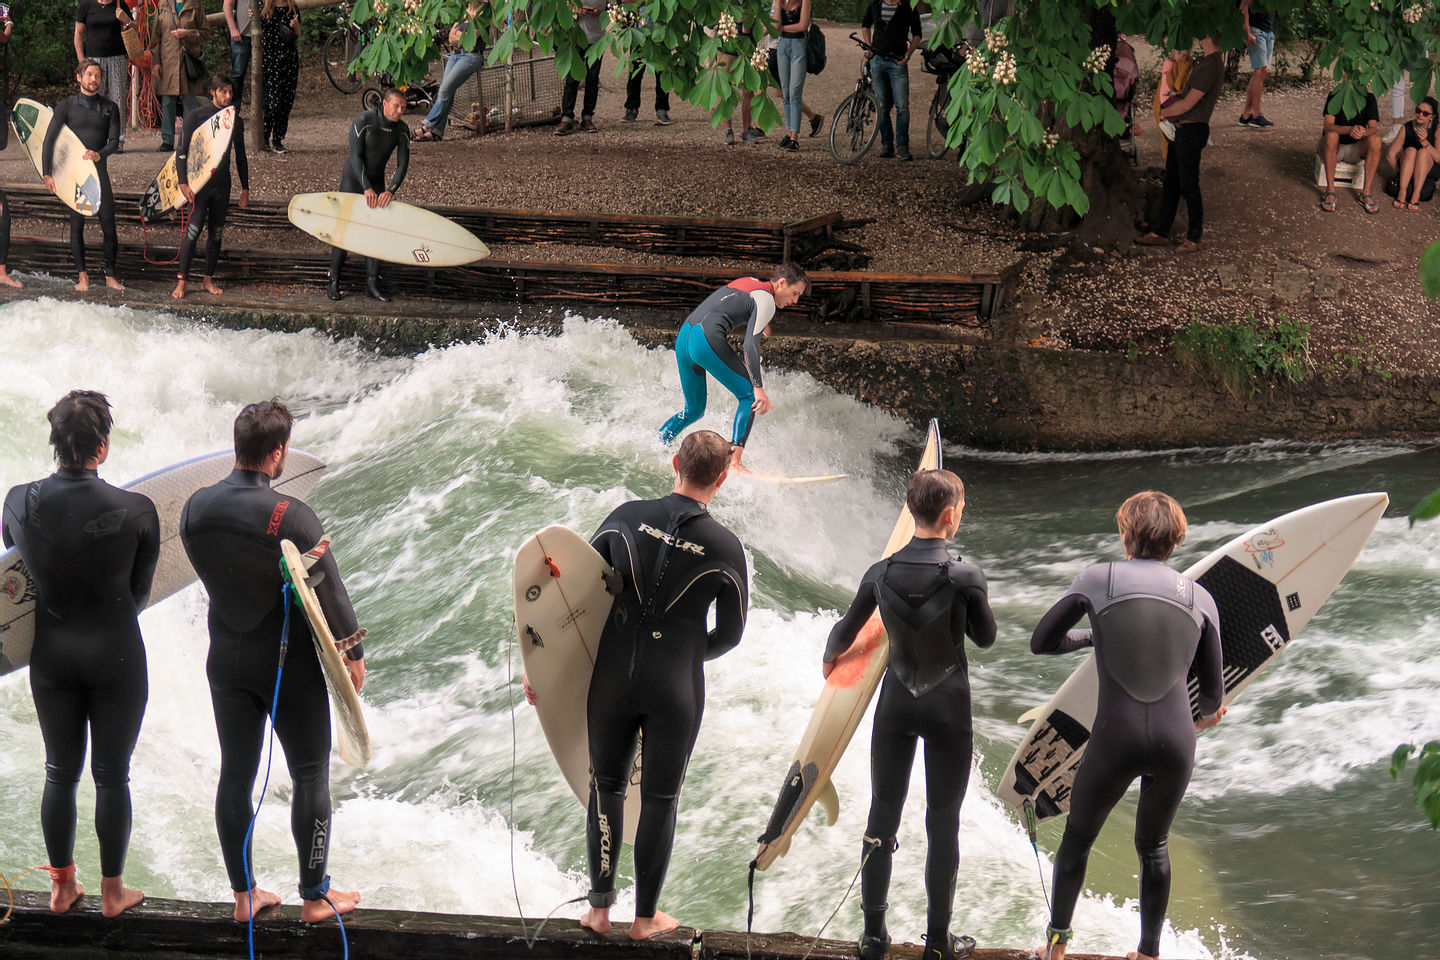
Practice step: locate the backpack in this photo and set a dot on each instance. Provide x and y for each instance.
(814, 49)
(1427, 189)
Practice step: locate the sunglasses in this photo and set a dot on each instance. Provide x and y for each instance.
(1424, 113)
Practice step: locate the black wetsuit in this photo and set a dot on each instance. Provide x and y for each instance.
(929, 602)
(92, 549)
(212, 201)
(675, 560)
(372, 140)
(1148, 624)
(96, 121)
(232, 533)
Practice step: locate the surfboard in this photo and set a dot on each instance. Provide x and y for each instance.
(781, 479)
(398, 233)
(1267, 583)
(352, 738)
(839, 709)
(207, 149)
(560, 610)
(169, 489)
(77, 180)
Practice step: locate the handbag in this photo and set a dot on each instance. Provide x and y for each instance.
(814, 49)
(194, 67)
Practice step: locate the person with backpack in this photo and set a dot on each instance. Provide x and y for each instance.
(892, 29)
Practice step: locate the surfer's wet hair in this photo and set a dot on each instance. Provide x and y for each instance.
(1151, 525)
(392, 92)
(791, 273)
(218, 82)
(86, 64)
(79, 425)
(261, 429)
(703, 456)
(929, 492)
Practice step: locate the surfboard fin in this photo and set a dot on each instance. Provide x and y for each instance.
(829, 801)
(1030, 716)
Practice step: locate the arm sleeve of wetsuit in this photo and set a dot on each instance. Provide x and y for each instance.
(47, 150)
(762, 311)
(402, 158)
(147, 555)
(334, 600)
(359, 133)
(242, 162)
(847, 628)
(112, 138)
(1209, 659)
(731, 606)
(979, 618)
(182, 151)
(1053, 634)
(5, 520)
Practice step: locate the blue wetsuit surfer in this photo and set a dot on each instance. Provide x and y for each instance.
(701, 347)
(1149, 625)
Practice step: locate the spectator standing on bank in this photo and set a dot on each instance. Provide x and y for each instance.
(730, 51)
(636, 72)
(178, 28)
(589, 21)
(792, 23)
(1351, 137)
(1411, 156)
(459, 65)
(7, 27)
(1260, 40)
(895, 28)
(97, 37)
(280, 67)
(1191, 117)
(237, 18)
(1174, 83)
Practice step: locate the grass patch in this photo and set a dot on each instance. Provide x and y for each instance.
(1247, 357)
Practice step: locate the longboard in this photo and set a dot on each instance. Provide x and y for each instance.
(207, 149)
(561, 606)
(397, 233)
(169, 489)
(352, 737)
(1267, 584)
(838, 711)
(77, 180)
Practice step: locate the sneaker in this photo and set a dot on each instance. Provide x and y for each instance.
(759, 134)
(662, 118)
(1260, 120)
(956, 949)
(729, 137)
(277, 147)
(1246, 121)
(567, 127)
(750, 136)
(886, 152)
(793, 144)
(904, 155)
(1394, 132)
(587, 124)
(165, 148)
(785, 142)
(816, 122)
(632, 115)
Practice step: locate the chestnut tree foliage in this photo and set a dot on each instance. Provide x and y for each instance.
(1030, 115)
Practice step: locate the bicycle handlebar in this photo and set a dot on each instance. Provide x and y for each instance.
(862, 44)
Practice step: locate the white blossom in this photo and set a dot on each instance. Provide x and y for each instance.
(1098, 58)
(726, 29)
(1004, 69)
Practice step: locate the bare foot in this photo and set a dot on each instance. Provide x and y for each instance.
(646, 927)
(116, 898)
(64, 895)
(114, 284)
(8, 280)
(596, 919)
(179, 292)
(1137, 955)
(313, 911)
(1051, 952)
(210, 287)
(82, 284)
(248, 903)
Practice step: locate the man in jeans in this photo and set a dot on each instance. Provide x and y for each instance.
(237, 19)
(1191, 116)
(460, 65)
(896, 30)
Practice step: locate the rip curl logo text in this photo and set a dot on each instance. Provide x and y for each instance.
(274, 528)
(674, 541)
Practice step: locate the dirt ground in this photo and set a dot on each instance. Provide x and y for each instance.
(1269, 251)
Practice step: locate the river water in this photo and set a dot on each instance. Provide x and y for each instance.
(1293, 840)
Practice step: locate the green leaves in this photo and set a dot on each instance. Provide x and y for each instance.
(1427, 509)
(1430, 270)
(1427, 776)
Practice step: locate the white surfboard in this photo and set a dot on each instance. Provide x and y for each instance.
(794, 481)
(397, 233)
(169, 489)
(1267, 584)
(207, 149)
(352, 738)
(77, 180)
(838, 712)
(560, 610)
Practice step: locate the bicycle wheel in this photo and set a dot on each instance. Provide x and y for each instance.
(937, 126)
(338, 55)
(855, 127)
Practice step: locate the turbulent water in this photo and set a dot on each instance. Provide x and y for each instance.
(1293, 840)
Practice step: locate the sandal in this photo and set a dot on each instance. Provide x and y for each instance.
(426, 135)
(1397, 204)
(1368, 202)
(1413, 205)
(1327, 203)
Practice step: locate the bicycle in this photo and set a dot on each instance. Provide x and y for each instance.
(943, 63)
(339, 53)
(856, 123)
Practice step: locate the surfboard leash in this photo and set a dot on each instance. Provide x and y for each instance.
(10, 893)
(186, 211)
(750, 916)
(1027, 812)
